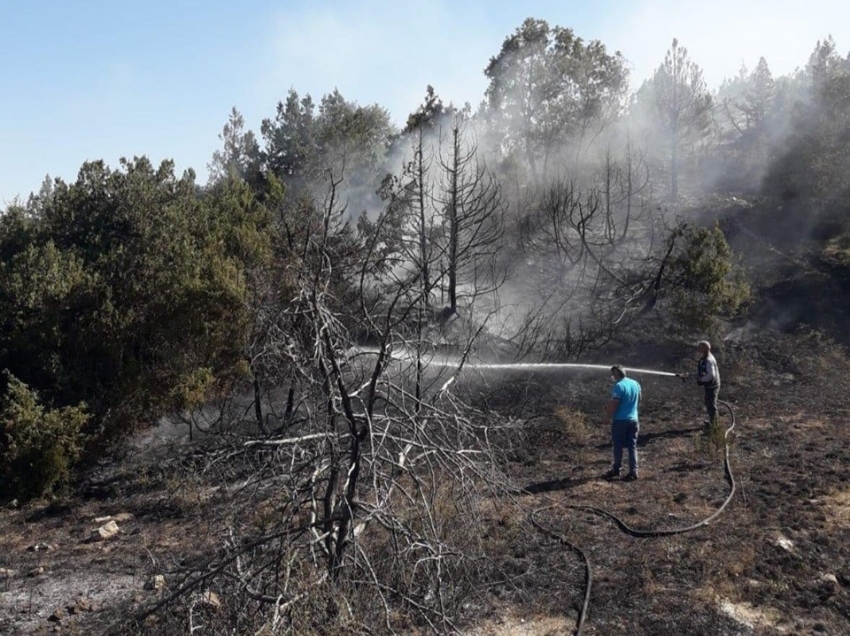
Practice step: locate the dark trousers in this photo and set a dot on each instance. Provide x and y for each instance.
(711, 402)
(624, 435)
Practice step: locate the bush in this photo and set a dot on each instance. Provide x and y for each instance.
(38, 445)
(707, 284)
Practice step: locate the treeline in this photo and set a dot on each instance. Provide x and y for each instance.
(122, 296)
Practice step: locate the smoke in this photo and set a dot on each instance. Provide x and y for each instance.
(585, 204)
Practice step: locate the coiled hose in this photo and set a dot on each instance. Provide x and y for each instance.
(635, 532)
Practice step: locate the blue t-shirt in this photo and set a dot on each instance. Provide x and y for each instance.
(628, 392)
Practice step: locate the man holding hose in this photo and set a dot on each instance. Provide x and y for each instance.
(623, 409)
(707, 376)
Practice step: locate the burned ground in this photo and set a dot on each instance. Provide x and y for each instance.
(775, 562)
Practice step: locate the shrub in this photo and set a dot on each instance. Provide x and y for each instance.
(707, 284)
(38, 445)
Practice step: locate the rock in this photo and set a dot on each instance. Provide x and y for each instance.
(7, 573)
(156, 582)
(829, 583)
(84, 604)
(104, 532)
(35, 572)
(785, 544)
(56, 616)
(211, 600)
(79, 606)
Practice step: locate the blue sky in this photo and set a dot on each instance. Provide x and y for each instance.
(92, 79)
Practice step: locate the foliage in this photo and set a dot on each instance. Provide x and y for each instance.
(430, 114)
(550, 89)
(706, 283)
(38, 445)
(679, 103)
(125, 286)
(816, 156)
(749, 114)
(302, 145)
(240, 155)
(133, 292)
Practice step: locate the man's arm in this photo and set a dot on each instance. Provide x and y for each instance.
(612, 406)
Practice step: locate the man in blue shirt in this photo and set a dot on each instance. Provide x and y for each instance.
(623, 409)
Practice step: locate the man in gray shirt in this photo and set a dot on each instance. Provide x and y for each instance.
(708, 376)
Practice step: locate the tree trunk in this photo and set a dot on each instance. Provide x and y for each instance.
(674, 170)
(454, 228)
(423, 242)
(258, 406)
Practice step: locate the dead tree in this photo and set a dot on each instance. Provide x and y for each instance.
(595, 241)
(472, 213)
(359, 513)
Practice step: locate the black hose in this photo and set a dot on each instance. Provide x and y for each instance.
(588, 573)
(633, 531)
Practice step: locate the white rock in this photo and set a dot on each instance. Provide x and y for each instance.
(156, 582)
(104, 532)
(784, 543)
(211, 599)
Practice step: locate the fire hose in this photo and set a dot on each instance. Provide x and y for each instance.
(634, 532)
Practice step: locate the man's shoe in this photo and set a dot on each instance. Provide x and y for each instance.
(611, 475)
(630, 477)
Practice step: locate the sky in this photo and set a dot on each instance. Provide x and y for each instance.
(92, 79)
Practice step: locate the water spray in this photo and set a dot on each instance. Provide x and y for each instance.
(543, 366)
(551, 366)
(405, 355)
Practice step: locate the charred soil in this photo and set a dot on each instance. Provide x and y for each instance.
(777, 561)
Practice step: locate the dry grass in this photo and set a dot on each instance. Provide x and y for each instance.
(511, 625)
(838, 503)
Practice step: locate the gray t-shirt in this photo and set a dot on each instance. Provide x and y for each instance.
(707, 372)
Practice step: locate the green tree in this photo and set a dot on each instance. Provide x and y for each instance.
(38, 445)
(815, 157)
(127, 289)
(748, 116)
(240, 154)
(681, 106)
(290, 137)
(303, 144)
(550, 90)
(430, 115)
(704, 283)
